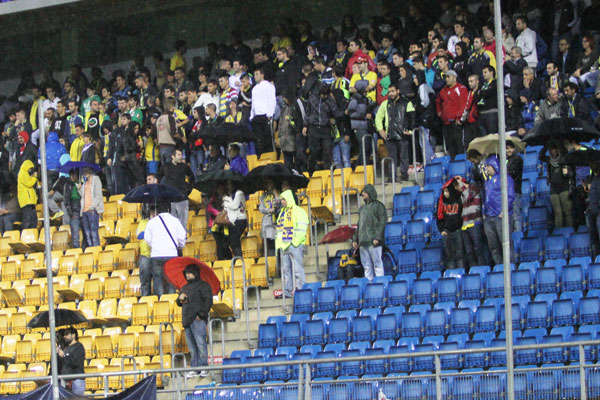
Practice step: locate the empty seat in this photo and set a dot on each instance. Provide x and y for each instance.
(351, 297)
(432, 258)
(523, 357)
(423, 291)
(292, 331)
(460, 320)
(594, 276)
(546, 280)
(589, 310)
(475, 360)
(415, 231)
(447, 289)
(434, 173)
(408, 261)
(530, 249)
(374, 295)
(494, 284)
(394, 233)
(471, 287)
(537, 315)
(327, 299)
(403, 204)
(304, 301)
(537, 218)
(486, 319)
(339, 330)
(387, 326)
(556, 247)
(411, 324)
(363, 328)
(579, 245)
(398, 293)
(521, 282)
(426, 201)
(435, 323)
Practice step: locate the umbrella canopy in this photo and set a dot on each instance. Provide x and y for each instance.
(582, 157)
(154, 193)
(208, 182)
(68, 166)
(562, 128)
(223, 134)
(62, 316)
(490, 144)
(258, 178)
(339, 235)
(174, 272)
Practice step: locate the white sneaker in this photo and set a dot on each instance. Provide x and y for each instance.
(191, 374)
(203, 374)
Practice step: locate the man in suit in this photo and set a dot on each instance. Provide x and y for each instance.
(567, 59)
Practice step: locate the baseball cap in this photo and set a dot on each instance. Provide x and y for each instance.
(361, 59)
(451, 73)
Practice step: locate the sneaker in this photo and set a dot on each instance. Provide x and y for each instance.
(203, 374)
(58, 215)
(191, 374)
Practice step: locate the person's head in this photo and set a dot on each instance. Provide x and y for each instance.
(212, 85)
(528, 73)
(446, 193)
(182, 97)
(232, 107)
(442, 63)
(477, 43)
(387, 41)
(488, 36)
(570, 90)
(133, 101)
(354, 45)
(87, 172)
(74, 175)
(70, 336)
(177, 156)
(282, 54)
(191, 273)
(94, 105)
(459, 28)
(437, 41)
(363, 64)
(489, 73)
(234, 151)
(563, 45)
(492, 166)
(211, 110)
(515, 53)
(510, 148)
(120, 80)
(450, 78)
(393, 92)
(324, 91)
(384, 68)
(107, 126)
(551, 68)
(169, 105)
(50, 92)
(552, 95)
(224, 81)
(341, 45)
(68, 87)
(588, 42)
(79, 129)
(474, 156)
(86, 137)
(122, 103)
(73, 107)
(151, 179)
(554, 149)
(474, 82)
(49, 114)
(571, 145)
(238, 65)
(214, 150)
(125, 120)
(521, 23)
(181, 46)
(368, 193)
(23, 138)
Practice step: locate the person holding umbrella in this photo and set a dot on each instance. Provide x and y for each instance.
(195, 300)
(72, 359)
(234, 204)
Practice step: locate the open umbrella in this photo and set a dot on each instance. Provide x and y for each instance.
(208, 181)
(490, 144)
(562, 128)
(582, 157)
(339, 235)
(62, 316)
(223, 134)
(174, 272)
(154, 193)
(68, 166)
(277, 172)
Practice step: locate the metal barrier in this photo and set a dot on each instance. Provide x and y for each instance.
(364, 157)
(383, 177)
(245, 289)
(210, 337)
(343, 182)
(247, 310)
(135, 377)
(236, 312)
(414, 153)
(266, 254)
(316, 231)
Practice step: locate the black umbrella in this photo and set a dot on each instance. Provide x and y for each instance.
(258, 178)
(223, 134)
(62, 317)
(562, 128)
(68, 166)
(208, 181)
(582, 157)
(154, 193)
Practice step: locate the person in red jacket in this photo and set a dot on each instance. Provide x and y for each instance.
(354, 49)
(450, 106)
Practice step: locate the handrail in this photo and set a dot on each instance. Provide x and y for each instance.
(313, 236)
(236, 312)
(383, 160)
(326, 227)
(343, 183)
(247, 311)
(210, 338)
(266, 254)
(175, 380)
(160, 341)
(364, 158)
(286, 254)
(135, 377)
(414, 151)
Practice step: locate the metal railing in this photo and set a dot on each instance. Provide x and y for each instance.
(364, 157)
(211, 340)
(383, 184)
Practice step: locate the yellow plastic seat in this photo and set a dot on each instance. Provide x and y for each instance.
(370, 173)
(113, 287)
(199, 225)
(88, 344)
(134, 245)
(35, 293)
(24, 351)
(251, 247)
(67, 265)
(170, 342)
(86, 264)
(111, 211)
(127, 344)
(147, 343)
(142, 311)
(11, 271)
(95, 250)
(269, 156)
(315, 187)
(124, 310)
(130, 210)
(93, 289)
(116, 197)
(103, 346)
(106, 260)
(13, 235)
(164, 309)
(27, 268)
(127, 259)
(132, 286)
(5, 249)
(107, 310)
(29, 235)
(61, 240)
(258, 275)
(74, 252)
(5, 315)
(89, 309)
(208, 251)
(9, 347)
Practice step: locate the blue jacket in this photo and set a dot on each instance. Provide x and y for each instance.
(54, 150)
(238, 164)
(528, 113)
(492, 204)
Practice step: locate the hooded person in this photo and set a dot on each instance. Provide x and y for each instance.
(56, 192)
(195, 300)
(26, 194)
(290, 238)
(492, 207)
(26, 151)
(461, 63)
(370, 232)
(528, 111)
(512, 112)
(449, 223)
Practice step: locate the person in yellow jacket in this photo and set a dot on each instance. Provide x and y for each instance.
(26, 193)
(290, 238)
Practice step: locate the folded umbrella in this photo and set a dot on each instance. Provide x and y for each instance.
(174, 272)
(490, 144)
(339, 235)
(154, 193)
(68, 166)
(208, 181)
(259, 177)
(223, 134)
(582, 157)
(62, 317)
(562, 128)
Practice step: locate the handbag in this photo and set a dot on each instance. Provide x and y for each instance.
(222, 219)
(179, 251)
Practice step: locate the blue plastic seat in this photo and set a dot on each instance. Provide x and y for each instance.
(447, 289)
(542, 191)
(555, 354)
(327, 299)
(351, 367)
(291, 334)
(435, 323)
(594, 276)
(232, 375)
(315, 331)
(531, 161)
(394, 233)
(400, 364)
(486, 319)
(450, 361)
(434, 173)
(426, 201)
(563, 313)
(269, 334)
(329, 369)
(255, 374)
(339, 330)
(584, 262)
(458, 168)
(523, 357)
(415, 231)
(408, 261)
(411, 324)
(475, 360)
(521, 282)
(538, 315)
(403, 204)
(350, 297)
(432, 258)
(589, 311)
(278, 372)
(423, 291)
(424, 363)
(530, 249)
(375, 295)
(471, 287)
(546, 280)
(377, 366)
(494, 284)
(518, 317)
(579, 245)
(398, 293)
(556, 247)
(363, 328)
(387, 326)
(460, 320)
(572, 278)
(538, 218)
(412, 190)
(304, 301)
(582, 336)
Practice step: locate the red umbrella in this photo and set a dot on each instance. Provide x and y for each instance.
(339, 235)
(174, 273)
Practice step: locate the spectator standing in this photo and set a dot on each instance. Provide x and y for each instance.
(370, 232)
(92, 205)
(88, 153)
(290, 238)
(514, 68)
(387, 49)
(234, 204)
(566, 62)
(288, 120)
(480, 58)
(9, 209)
(527, 40)
(559, 185)
(72, 206)
(195, 300)
(26, 191)
(450, 105)
(487, 103)
(449, 223)
(166, 236)
(472, 222)
(25, 151)
(228, 94)
(363, 74)
(269, 207)
(178, 174)
(514, 167)
(356, 53)
(72, 360)
(261, 111)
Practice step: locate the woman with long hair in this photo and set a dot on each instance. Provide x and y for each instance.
(586, 69)
(234, 203)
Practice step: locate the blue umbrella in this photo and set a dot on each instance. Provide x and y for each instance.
(67, 167)
(155, 193)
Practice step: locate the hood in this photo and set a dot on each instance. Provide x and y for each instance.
(464, 56)
(513, 95)
(193, 269)
(26, 166)
(289, 198)
(53, 137)
(65, 158)
(370, 190)
(25, 136)
(107, 124)
(494, 163)
(526, 93)
(361, 85)
(420, 75)
(453, 195)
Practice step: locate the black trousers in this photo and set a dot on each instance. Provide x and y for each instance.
(488, 123)
(235, 236)
(223, 252)
(454, 139)
(471, 131)
(320, 145)
(398, 150)
(262, 132)
(301, 156)
(28, 217)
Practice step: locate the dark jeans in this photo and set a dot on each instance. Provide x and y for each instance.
(473, 243)
(75, 224)
(493, 233)
(301, 156)
(488, 122)
(90, 221)
(235, 236)
(121, 179)
(593, 223)
(321, 147)
(145, 265)
(156, 270)
(6, 222)
(453, 250)
(398, 151)
(288, 159)
(454, 139)
(223, 252)
(28, 217)
(471, 131)
(262, 132)
(195, 336)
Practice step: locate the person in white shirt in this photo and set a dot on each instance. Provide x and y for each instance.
(459, 30)
(261, 112)
(210, 97)
(235, 206)
(165, 235)
(239, 69)
(52, 99)
(526, 41)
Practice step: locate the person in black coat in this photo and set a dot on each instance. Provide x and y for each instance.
(566, 61)
(25, 151)
(449, 223)
(195, 300)
(514, 168)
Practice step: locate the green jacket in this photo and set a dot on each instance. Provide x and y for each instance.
(372, 218)
(292, 224)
